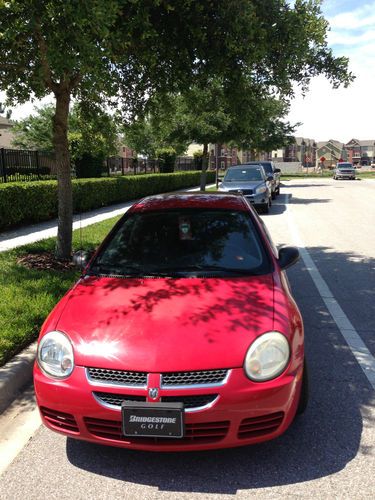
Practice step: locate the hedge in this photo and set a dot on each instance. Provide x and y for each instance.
(30, 202)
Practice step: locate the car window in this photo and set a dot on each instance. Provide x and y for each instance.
(267, 166)
(184, 241)
(244, 174)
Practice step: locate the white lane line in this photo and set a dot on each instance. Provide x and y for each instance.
(363, 356)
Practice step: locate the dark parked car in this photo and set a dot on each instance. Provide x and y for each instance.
(251, 181)
(271, 170)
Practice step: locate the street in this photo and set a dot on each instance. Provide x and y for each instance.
(329, 452)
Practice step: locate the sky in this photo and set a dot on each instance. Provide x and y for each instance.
(343, 114)
(327, 113)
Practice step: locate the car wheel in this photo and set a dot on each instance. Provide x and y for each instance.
(304, 397)
(264, 208)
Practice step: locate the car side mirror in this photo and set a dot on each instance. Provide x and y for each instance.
(277, 170)
(81, 258)
(288, 256)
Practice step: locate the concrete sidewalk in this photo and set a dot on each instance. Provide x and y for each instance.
(36, 232)
(44, 230)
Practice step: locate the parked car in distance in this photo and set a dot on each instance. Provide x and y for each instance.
(344, 170)
(250, 181)
(273, 174)
(181, 334)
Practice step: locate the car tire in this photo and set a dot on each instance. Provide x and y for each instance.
(264, 208)
(304, 396)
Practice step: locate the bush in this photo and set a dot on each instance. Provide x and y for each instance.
(167, 158)
(29, 202)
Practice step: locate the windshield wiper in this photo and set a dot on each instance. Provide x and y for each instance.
(205, 268)
(103, 270)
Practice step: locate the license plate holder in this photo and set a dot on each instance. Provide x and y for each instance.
(144, 419)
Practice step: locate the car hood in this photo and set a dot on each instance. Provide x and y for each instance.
(241, 185)
(162, 324)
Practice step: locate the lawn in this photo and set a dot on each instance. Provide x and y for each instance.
(28, 295)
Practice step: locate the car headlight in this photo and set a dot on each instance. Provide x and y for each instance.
(55, 355)
(260, 190)
(267, 357)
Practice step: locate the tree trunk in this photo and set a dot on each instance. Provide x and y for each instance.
(204, 167)
(64, 181)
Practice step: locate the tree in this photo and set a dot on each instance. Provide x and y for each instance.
(94, 133)
(215, 115)
(123, 51)
(8, 112)
(35, 131)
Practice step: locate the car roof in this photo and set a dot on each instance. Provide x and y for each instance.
(202, 200)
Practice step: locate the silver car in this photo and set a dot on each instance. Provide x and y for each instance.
(344, 170)
(250, 181)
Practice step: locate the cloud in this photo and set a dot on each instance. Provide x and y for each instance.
(343, 113)
(360, 17)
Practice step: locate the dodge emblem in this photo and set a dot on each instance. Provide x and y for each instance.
(153, 393)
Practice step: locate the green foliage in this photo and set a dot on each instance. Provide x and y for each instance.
(35, 131)
(91, 131)
(28, 202)
(168, 159)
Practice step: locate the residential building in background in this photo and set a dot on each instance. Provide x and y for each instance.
(360, 152)
(6, 134)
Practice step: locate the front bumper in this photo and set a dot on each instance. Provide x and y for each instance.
(243, 412)
(345, 175)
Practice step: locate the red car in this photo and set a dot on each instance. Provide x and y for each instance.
(181, 333)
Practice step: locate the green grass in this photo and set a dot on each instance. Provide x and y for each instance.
(28, 295)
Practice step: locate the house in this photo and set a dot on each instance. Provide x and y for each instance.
(332, 151)
(6, 134)
(360, 152)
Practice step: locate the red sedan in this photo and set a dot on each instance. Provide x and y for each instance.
(181, 333)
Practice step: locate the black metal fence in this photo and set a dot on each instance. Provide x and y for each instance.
(28, 165)
(116, 165)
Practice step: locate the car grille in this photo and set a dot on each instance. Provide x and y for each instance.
(259, 426)
(168, 380)
(199, 433)
(190, 402)
(212, 377)
(60, 420)
(242, 191)
(116, 399)
(117, 377)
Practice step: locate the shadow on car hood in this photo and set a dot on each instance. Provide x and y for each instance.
(161, 324)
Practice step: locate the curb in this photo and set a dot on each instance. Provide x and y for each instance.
(15, 374)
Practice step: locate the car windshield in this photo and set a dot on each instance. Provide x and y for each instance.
(244, 174)
(345, 165)
(184, 242)
(266, 166)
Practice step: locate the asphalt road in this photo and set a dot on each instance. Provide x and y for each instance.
(329, 452)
